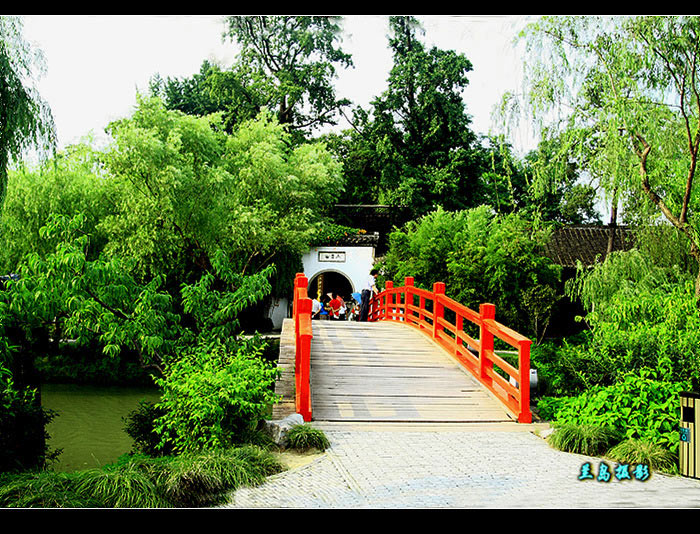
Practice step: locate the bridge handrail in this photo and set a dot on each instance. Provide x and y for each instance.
(476, 355)
(301, 313)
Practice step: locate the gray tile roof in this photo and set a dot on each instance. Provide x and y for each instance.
(585, 243)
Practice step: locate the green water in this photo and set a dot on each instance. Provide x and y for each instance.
(88, 425)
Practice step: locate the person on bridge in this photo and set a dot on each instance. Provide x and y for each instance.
(368, 292)
(316, 307)
(342, 315)
(335, 306)
(324, 313)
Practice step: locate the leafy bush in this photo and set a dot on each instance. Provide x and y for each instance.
(641, 313)
(140, 427)
(639, 407)
(304, 437)
(583, 439)
(213, 394)
(633, 451)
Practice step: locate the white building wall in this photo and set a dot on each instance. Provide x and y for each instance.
(353, 262)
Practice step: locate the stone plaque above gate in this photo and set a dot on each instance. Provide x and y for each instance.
(337, 257)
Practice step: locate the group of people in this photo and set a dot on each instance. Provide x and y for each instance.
(334, 307)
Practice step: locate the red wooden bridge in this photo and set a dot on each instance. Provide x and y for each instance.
(421, 357)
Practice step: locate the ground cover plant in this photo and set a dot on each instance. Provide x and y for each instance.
(138, 481)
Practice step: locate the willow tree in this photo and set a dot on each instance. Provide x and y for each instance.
(627, 90)
(25, 119)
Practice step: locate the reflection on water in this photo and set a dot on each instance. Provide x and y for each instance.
(88, 425)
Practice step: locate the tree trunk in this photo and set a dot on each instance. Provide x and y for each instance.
(695, 253)
(613, 224)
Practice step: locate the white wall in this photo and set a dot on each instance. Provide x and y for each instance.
(356, 265)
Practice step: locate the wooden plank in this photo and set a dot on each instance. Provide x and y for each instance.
(388, 372)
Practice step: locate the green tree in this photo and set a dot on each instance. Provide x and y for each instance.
(555, 190)
(291, 61)
(184, 189)
(68, 184)
(212, 90)
(482, 257)
(416, 149)
(25, 119)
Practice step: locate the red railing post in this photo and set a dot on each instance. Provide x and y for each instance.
(524, 370)
(438, 307)
(389, 299)
(459, 326)
(408, 299)
(301, 312)
(304, 357)
(486, 311)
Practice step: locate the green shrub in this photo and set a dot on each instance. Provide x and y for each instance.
(481, 257)
(564, 368)
(583, 439)
(213, 395)
(304, 437)
(639, 407)
(642, 313)
(633, 451)
(140, 426)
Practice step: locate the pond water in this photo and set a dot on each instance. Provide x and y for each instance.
(88, 425)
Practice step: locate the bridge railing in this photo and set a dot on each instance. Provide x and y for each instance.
(449, 323)
(301, 313)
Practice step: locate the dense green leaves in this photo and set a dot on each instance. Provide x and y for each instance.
(640, 406)
(481, 257)
(289, 62)
(213, 394)
(415, 149)
(185, 190)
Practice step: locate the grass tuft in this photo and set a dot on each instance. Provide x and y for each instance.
(304, 437)
(583, 439)
(121, 485)
(42, 489)
(635, 452)
(203, 479)
(141, 481)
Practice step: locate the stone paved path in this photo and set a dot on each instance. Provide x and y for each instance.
(456, 469)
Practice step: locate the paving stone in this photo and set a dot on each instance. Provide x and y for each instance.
(454, 469)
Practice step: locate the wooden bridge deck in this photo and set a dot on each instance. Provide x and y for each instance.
(388, 372)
